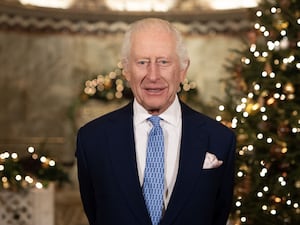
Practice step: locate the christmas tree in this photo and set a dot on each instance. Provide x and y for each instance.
(263, 108)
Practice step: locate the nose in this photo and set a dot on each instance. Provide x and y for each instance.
(153, 72)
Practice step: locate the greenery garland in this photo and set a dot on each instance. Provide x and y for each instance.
(30, 171)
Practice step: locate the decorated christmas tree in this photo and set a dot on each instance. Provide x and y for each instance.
(263, 108)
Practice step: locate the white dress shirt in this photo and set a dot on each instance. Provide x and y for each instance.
(171, 124)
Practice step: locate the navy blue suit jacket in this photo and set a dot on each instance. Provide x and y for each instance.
(107, 171)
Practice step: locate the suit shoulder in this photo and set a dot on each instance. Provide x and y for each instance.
(105, 120)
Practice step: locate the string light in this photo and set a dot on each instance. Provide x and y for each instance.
(13, 175)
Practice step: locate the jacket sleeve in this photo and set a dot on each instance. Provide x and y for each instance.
(224, 200)
(85, 184)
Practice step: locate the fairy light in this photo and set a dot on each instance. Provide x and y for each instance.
(259, 13)
(259, 194)
(256, 26)
(256, 87)
(245, 114)
(264, 74)
(219, 118)
(28, 179)
(238, 203)
(276, 95)
(5, 155)
(272, 75)
(234, 123)
(256, 54)
(39, 185)
(260, 136)
(265, 54)
(269, 140)
(266, 189)
(252, 47)
(43, 159)
(263, 172)
(283, 33)
(262, 29)
(14, 155)
(18, 177)
(273, 10)
(263, 109)
(21, 180)
(243, 219)
(240, 174)
(266, 33)
(251, 95)
(30, 149)
(51, 163)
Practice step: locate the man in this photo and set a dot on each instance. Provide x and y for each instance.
(198, 152)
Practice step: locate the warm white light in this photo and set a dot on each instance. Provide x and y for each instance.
(260, 136)
(51, 163)
(43, 159)
(259, 13)
(30, 149)
(137, 5)
(29, 179)
(48, 3)
(39, 185)
(240, 174)
(233, 4)
(14, 155)
(219, 118)
(243, 219)
(18, 177)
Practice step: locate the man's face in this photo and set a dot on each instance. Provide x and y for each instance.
(153, 69)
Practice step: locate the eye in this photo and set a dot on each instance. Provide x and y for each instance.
(163, 62)
(142, 62)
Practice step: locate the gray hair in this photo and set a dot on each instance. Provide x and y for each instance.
(146, 23)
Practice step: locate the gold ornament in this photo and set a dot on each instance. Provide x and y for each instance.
(297, 184)
(289, 88)
(281, 25)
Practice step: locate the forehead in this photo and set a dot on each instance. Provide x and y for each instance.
(153, 41)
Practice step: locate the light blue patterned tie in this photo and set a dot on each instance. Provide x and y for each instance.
(153, 186)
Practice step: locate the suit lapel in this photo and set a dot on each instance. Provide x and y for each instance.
(124, 165)
(192, 153)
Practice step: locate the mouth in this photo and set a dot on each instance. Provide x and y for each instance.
(154, 91)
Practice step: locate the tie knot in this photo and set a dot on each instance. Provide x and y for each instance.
(154, 120)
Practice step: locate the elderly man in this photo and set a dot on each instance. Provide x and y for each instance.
(155, 161)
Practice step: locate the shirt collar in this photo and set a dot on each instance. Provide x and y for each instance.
(172, 115)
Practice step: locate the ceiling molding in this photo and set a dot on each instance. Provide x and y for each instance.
(18, 17)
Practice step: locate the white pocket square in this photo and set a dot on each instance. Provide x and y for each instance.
(211, 161)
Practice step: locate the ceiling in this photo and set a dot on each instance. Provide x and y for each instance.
(142, 5)
(99, 16)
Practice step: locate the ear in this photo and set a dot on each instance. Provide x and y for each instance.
(125, 70)
(184, 70)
